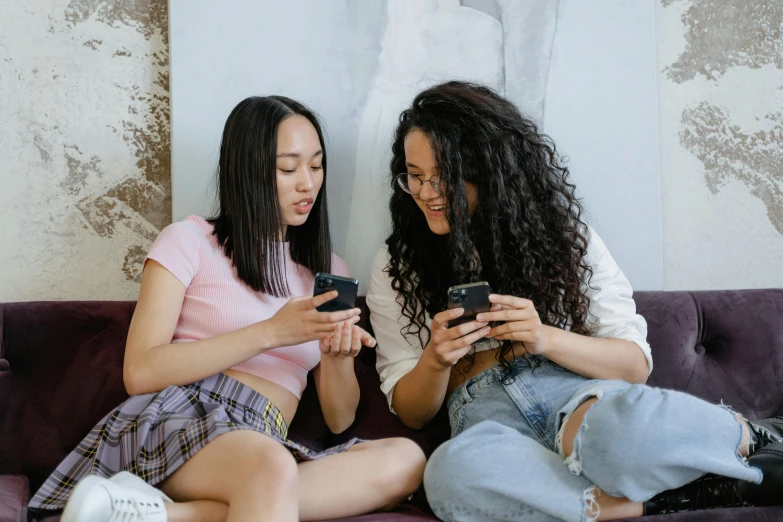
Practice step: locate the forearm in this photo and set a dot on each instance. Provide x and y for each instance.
(161, 366)
(596, 358)
(338, 392)
(420, 393)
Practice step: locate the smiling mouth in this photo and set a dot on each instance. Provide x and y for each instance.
(436, 208)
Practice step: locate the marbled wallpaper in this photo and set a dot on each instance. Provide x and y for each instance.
(721, 138)
(85, 176)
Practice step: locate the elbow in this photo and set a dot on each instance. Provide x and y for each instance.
(414, 424)
(639, 374)
(337, 426)
(411, 421)
(134, 381)
(411, 417)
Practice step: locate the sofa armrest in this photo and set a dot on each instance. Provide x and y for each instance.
(14, 496)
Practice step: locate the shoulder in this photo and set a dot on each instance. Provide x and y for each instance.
(380, 280)
(191, 228)
(181, 246)
(381, 260)
(597, 252)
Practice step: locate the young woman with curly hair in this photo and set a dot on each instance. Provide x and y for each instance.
(550, 416)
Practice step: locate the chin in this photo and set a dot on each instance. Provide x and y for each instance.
(440, 228)
(296, 221)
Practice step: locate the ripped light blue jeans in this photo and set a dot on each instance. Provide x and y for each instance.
(505, 459)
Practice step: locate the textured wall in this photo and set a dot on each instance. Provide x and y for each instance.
(84, 142)
(721, 136)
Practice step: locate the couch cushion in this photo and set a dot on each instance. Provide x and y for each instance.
(752, 514)
(14, 495)
(65, 374)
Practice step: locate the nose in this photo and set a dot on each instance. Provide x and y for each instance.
(304, 181)
(427, 192)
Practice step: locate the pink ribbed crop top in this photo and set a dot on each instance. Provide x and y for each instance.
(217, 301)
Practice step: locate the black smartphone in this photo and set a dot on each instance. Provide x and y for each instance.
(473, 297)
(346, 287)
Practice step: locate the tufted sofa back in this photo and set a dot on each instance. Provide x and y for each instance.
(61, 370)
(719, 345)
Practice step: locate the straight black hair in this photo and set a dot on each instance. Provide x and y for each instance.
(249, 221)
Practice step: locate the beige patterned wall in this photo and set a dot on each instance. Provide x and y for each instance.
(721, 139)
(85, 171)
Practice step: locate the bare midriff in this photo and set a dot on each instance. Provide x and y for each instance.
(484, 360)
(285, 401)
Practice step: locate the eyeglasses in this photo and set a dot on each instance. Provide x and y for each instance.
(413, 183)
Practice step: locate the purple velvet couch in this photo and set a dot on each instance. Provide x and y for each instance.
(61, 371)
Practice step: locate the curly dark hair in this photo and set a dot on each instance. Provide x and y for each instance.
(526, 236)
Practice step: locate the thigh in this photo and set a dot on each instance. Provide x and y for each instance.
(232, 461)
(368, 477)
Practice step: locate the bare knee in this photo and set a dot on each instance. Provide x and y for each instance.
(572, 424)
(235, 464)
(400, 464)
(267, 467)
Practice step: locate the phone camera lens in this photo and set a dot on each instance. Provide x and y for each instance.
(464, 293)
(329, 283)
(321, 283)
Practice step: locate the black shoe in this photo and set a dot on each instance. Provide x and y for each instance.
(713, 491)
(765, 432)
(770, 461)
(707, 492)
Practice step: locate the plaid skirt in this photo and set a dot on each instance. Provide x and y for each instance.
(153, 435)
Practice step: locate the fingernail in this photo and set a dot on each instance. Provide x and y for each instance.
(486, 329)
(480, 317)
(483, 323)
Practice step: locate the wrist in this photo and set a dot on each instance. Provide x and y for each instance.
(550, 339)
(431, 363)
(337, 364)
(265, 335)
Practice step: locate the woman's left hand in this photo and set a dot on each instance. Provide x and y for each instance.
(346, 340)
(521, 322)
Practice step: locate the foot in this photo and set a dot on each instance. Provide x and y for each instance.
(126, 479)
(713, 491)
(96, 499)
(765, 432)
(708, 492)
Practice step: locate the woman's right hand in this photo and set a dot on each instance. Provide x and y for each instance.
(449, 345)
(299, 322)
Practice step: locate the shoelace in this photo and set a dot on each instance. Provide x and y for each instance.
(130, 509)
(763, 436)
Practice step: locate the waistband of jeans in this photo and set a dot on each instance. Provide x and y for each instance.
(464, 392)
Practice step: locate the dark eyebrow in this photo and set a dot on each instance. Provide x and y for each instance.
(296, 155)
(409, 164)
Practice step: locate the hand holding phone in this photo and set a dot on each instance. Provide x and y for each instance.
(299, 321)
(455, 330)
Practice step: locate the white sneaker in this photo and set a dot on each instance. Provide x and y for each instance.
(96, 499)
(127, 479)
